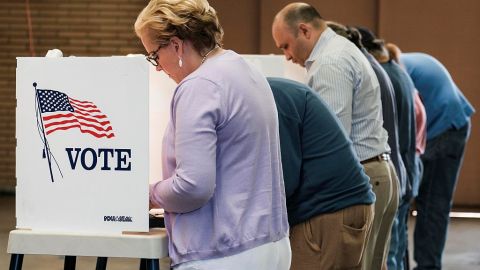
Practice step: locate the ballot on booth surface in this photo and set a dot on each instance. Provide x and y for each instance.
(89, 133)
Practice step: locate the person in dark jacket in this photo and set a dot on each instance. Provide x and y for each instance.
(329, 197)
(404, 93)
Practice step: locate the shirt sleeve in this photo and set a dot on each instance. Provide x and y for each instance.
(196, 113)
(335, 86)
(421, 124)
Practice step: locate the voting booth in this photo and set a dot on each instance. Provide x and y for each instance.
(89, 137)
(89, 133)
(277, 66)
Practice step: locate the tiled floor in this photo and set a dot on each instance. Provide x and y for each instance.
(462, 251)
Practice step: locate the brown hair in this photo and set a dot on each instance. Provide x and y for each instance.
(348, 32)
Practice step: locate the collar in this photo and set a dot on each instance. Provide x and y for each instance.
(322, 41)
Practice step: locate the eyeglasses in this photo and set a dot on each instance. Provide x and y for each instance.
(152, 57)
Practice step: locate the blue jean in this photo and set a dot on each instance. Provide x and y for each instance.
(399, 238)
(442, 161)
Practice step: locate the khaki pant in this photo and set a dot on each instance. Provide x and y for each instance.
(385, 186)
(332, 241)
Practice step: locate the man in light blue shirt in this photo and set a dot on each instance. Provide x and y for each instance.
(342, 76)
(448, 129)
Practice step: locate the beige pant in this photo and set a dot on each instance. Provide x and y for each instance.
(385, 185)
(332, 241)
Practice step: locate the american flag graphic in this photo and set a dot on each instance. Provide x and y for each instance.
(61, 112)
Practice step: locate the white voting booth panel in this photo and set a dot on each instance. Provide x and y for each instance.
(277, 66)
(89, 139)
(88, 142)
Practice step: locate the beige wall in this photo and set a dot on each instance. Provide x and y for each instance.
(449, 30)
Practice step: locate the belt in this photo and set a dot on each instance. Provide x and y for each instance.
(381, 157)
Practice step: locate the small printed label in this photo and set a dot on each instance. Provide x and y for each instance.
(117, 218)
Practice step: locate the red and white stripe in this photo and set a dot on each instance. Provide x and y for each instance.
(86, 117)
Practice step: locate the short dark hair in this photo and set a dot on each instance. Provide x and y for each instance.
(370, 41)
(302, 13)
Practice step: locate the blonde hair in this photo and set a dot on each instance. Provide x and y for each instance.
(193, 20)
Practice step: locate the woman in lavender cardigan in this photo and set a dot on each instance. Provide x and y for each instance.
(223, 190)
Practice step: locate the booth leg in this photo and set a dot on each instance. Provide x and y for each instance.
(143, 264)
(153, 264)
(16, 262)
(69, 263)
(101, 263)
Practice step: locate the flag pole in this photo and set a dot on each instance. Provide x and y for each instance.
(46, 151)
